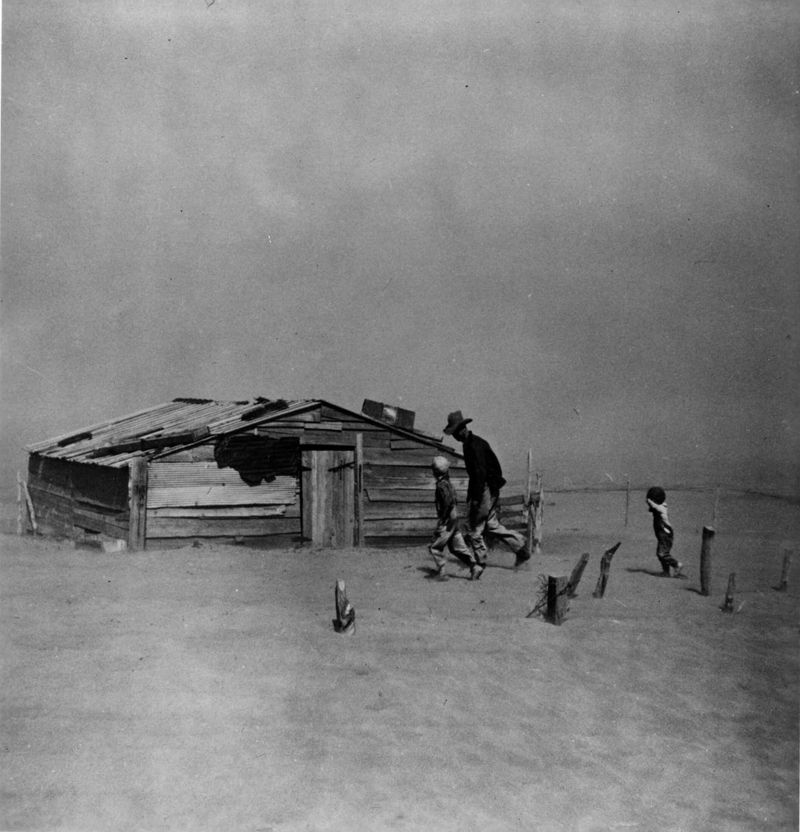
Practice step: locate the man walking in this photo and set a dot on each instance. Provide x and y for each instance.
(485, 481)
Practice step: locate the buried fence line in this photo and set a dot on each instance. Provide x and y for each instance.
(532, 497)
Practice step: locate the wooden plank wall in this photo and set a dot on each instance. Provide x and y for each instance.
(194, 498)
(398, 485)
(398, 495)
(189, 496)
(71, 498)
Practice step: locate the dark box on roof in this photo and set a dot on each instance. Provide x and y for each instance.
(389, 414)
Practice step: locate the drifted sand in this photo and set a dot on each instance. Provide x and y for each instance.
(205, 689)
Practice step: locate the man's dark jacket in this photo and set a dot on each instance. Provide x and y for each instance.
(482, 466)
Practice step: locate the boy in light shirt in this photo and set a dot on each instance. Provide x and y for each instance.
(446, 535)
(665, 536)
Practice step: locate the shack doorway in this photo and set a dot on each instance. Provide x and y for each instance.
(328, 496)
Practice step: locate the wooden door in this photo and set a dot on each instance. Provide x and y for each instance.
(328, 496)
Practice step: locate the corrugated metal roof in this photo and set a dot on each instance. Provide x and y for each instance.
(170, 425)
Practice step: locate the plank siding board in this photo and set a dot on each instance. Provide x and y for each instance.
(221, 495)
(325, 440)
(391, 528)
(101, 523)
(345, 438)
(204, 484)
(380, 480)
(208, 512)
(200, 473)
(406, 444)
(373, 439)
(279, 430)
(411, 456)
(170, 527)
(402, 470)
(401, 511)
(52, 513)
(397, 495)
(49, 489)
(326, 412)
(365, 428)
(268, 541)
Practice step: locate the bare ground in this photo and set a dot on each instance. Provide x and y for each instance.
(205, 689)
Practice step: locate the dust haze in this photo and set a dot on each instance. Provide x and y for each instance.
(577, 224)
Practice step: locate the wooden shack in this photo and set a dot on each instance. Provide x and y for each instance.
(263, 471)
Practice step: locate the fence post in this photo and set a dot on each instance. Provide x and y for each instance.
(727, 605)
(528, 495)
(29, 503)
(577, 574)
(556, 599)
(359, 488)
(787, 562)
(605, 569)
(705, 561)
(345, 621)
(20, 526)
(537, 507)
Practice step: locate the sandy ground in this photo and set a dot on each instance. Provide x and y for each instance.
(205, 689)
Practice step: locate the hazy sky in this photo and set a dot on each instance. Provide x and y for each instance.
(577, 222)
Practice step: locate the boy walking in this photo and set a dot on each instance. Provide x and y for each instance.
(446, 535)
(657, 506)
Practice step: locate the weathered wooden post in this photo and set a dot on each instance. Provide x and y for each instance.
(605, 568)
(727, 604)
(556, 599)
(528, 496)
(29, 504)
(537, 507)
(20, 521)
(577, 573)
(705, 561)
(787, 562)
(137, 503)
(627, 499)
(358, 528)
(345, 621)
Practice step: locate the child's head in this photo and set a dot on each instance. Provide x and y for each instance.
(440, 466)
(657, 495)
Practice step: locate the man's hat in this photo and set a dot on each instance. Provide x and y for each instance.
(455, 420)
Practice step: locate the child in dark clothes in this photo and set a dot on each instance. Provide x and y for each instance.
(657, 506)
